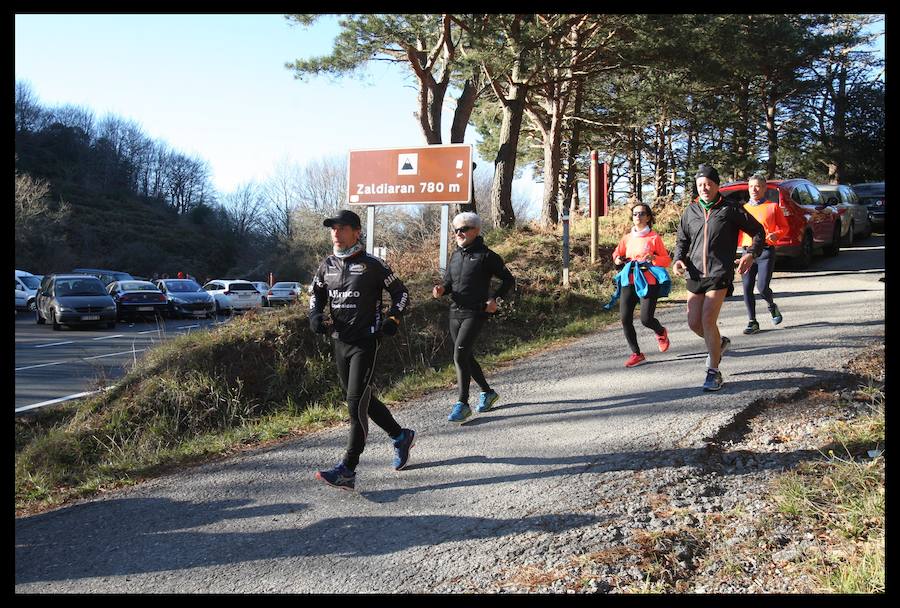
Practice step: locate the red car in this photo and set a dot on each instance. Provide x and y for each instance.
(814, 226)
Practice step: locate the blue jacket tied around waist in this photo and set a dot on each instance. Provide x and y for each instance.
(631, 274)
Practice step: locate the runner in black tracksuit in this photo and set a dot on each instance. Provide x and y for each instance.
(351, 282)
(467, 280)
(704, 249)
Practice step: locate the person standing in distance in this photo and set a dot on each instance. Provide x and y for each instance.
(704, 249)
(768, 214)
(641, 245)
(350, 282)
(467, 280)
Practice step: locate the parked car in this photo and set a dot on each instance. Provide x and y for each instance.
(27, 286)
(263, 288)
(186, 298)
(72, 299)
(814, 226)
(872, 196)
(137, 299)
(106, 276)
(854, 215)
(284, 292)
(232, 295)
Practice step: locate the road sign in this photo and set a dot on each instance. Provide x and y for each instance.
(439, 174)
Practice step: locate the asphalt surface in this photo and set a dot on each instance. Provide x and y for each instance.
(58, 365)
(477, 498)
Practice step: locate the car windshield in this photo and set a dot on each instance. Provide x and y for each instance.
(241, 287)
(79, 287)
(284, 285)
(137, 286)
(31, 282)
(182, 286)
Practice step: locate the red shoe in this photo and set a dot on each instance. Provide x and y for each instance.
(663, 341)
(635, 359)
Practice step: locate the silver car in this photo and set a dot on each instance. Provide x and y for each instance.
(284, 292)
(854, 214)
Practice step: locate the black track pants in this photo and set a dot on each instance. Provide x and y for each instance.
(355, 367)
(628, 300)
(760, 272)
(464, 333)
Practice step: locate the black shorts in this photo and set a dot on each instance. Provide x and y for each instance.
(710, 284)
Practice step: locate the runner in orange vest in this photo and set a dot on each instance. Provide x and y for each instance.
(770, 216)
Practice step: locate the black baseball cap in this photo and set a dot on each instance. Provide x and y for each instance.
(345, 217)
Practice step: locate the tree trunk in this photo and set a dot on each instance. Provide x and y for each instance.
(505, 162)
(840, 126)
(742, 133)
(772, 135)
(465, 104)
(570, 193)
(552, 167)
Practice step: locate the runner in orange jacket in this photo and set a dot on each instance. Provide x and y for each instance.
(770, 216)
(641, 244)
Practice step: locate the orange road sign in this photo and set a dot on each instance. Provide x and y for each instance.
(440, 174)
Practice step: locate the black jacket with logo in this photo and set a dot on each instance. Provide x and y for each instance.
(467, 279)
(353, 288)
(707, 240)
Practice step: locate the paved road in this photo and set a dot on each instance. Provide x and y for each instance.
(56, 365)
(478, 498)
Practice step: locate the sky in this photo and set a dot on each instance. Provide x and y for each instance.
(215, 87)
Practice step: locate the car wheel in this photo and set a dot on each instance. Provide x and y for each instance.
(834, 247)
(848, 241)
(806, 252)
(868, 231)
(32, 305)
(38, 318)
(110, 325)
(56, 326)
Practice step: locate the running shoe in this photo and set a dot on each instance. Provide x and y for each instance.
(402, 445)
(725, 344)
(635, 359)
(713, 380)
(339, 477)
(486, 401)
(752, 328)
(460, 412)
(776, 314)
(663, 341)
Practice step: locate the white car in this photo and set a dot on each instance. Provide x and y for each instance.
(232, 295)
(284, 292)
(263, 288)
(27, 285)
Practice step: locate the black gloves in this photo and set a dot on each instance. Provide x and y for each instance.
(390, 326)
(317, 324)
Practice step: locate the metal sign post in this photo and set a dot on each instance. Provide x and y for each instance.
(445, 228)
(370, 229)
(565, 243)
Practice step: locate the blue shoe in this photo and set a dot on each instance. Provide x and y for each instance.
(460, 412)
(402, 445)
(776, 314)
(713, 380)
(486, 401)
(339, 477)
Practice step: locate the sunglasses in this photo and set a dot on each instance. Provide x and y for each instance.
(462, 229)
(638, 213)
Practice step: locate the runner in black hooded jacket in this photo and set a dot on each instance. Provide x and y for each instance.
(467, 280)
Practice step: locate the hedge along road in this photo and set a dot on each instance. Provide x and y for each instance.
(529, 479)
(57, 366)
